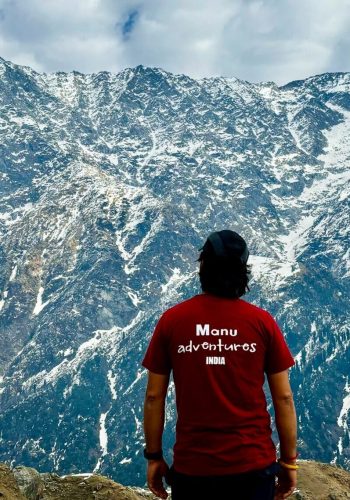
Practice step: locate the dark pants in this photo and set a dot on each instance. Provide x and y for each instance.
(253, 485)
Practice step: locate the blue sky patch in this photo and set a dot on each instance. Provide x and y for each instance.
(129, 24)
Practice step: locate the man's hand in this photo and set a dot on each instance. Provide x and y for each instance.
(156, 470)
(286, 483)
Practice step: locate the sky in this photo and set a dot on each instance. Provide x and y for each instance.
(254, 40)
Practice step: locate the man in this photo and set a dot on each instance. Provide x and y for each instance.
(219, 348)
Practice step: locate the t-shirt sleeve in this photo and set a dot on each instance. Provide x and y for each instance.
(278, 356)
(157, 357)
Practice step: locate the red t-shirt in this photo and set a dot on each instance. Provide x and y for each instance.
(219, 350)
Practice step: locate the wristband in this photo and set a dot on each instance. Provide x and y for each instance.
(288, 466)
(157, 455)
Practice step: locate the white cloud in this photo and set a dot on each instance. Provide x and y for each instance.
(256, 40)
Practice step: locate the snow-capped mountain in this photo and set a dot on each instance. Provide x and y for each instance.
(109, 185)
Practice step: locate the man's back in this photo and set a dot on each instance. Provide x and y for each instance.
(219, 349)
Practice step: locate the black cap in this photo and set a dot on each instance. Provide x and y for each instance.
(227, 243)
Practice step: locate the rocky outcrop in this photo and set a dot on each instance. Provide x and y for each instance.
(25, 483)
(9, 488)
(317, 481)
(29, 482)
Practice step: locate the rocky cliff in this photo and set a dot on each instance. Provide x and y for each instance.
(23, 483)
(317, 481)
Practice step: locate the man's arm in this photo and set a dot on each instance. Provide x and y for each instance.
(285, 415)
(286, 423)
(154, 408)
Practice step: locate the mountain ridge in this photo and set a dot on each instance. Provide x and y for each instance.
(110, 185)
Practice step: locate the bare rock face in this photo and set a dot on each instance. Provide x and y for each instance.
(319, 481)
(29, 482)
(316, 481)
(9, 489)
(92, 487)
(25, 483)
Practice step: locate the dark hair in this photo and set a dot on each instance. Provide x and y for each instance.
(223, 276)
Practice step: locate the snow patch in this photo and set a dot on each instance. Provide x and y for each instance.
(342, 419)
(112, 383)
(340, 445)
(103, 440)
(13, 273)
(296, 240)
(81, 474)
(103, 433)
(134, 298)
(39, 306)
